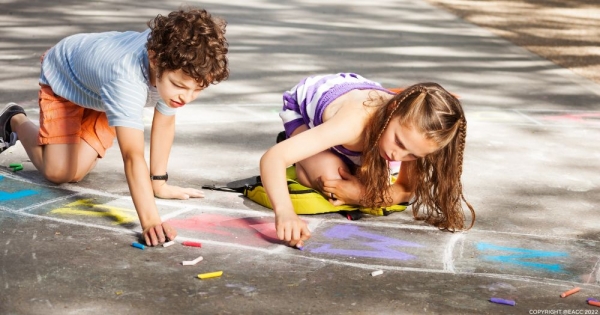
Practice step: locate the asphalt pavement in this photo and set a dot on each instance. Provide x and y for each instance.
(531, 172)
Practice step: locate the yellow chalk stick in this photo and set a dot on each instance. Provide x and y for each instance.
(210, 275)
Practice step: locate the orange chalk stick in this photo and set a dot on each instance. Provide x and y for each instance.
(595, 303)
(567, 293)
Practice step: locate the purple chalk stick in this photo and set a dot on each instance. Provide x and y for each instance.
(592, 299)
(503, 301)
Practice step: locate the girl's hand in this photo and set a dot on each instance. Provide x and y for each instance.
(155, 234)
(347, 190)
(291, 229)
(166, 191)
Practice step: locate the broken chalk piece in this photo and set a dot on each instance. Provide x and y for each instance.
(191, 262)
(503, 301)
(193, 244)
(18, 168)
(592, 299)
(11, 165)
(138, 245)
(169, 243)
(567, 293)
(210, 275)
(376, 273)
(594, 303)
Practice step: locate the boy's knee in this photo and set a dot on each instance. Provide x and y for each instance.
(58, 177)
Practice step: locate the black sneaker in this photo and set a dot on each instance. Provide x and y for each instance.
(7, 137)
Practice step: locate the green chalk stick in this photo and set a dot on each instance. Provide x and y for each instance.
(15, 165)
(17, 168)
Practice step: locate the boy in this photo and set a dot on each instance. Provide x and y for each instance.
(94, 87)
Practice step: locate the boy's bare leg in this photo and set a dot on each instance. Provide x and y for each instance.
(64, 163)
(86, 161)
(28, 132)
(59, 163)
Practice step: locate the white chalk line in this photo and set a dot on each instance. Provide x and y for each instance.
(595, 271)
(66, 221)
(552, 237)
(37, 205)
(447, 258)
(176, 213)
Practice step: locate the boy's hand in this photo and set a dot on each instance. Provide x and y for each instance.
(291, 229)
(155, 235)
(166, 191)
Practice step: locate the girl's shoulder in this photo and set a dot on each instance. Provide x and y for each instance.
(357, 105)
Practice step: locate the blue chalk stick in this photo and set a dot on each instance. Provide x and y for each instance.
(502, 301)
(592, 299)
(138, 245)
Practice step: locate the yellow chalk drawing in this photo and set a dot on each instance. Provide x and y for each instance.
(86, 207)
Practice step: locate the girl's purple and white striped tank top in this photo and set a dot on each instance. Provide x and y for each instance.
(305, 103)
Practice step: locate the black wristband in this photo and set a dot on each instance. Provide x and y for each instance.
(160, 177)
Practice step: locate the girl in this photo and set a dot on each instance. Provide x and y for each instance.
(343, 130)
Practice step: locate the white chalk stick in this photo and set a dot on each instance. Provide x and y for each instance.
(169, 243)
(377, 273)
(191, 262)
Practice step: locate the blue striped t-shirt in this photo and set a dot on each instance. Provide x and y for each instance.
(107, 72)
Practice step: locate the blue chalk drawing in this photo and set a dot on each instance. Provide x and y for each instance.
(4, 196)
(381, 244)
(521, 255)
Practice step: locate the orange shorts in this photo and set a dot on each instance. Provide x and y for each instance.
(64, 122)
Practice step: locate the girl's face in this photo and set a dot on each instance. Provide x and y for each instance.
(176, 88)
(404, 143)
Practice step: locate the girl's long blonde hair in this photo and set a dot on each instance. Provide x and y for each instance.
(434, 179)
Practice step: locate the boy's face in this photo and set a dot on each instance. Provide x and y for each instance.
(404, 143)
(176, 88)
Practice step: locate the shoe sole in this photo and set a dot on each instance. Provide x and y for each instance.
(6, 137)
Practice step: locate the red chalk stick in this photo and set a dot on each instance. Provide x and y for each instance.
(193, 244)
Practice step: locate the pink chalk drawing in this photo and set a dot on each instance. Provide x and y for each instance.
(593, 118)
(252, 231)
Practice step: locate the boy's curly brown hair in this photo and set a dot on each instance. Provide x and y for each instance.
(191, 40)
